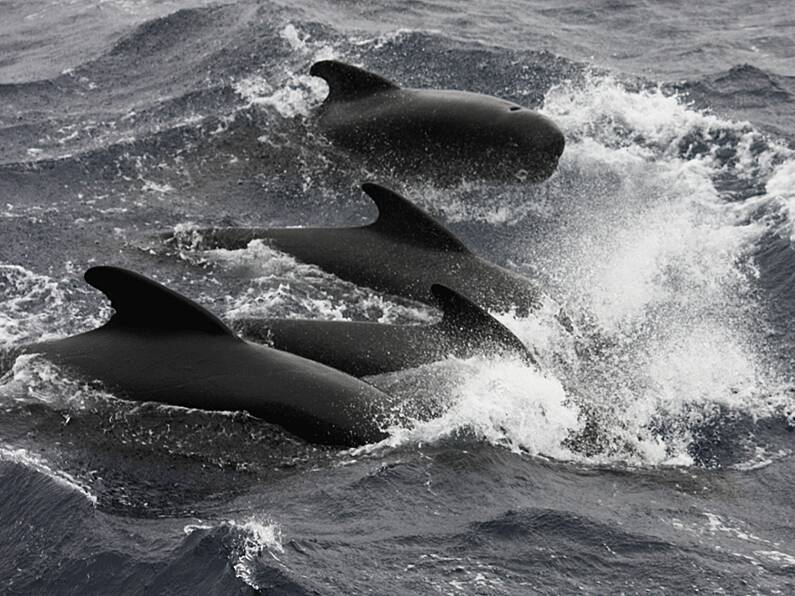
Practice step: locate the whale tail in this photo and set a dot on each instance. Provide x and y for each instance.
(463, 318)
(349, 82)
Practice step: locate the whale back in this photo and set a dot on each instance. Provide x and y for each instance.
(349, 82)
(143, 304)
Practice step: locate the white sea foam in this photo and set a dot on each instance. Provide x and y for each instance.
(33, 378)
(26, 300)
(657, 258)
(502, 401)
(388, 37)
(784, 559)
(781, 186)
(155, 187)
(260, 537)
(464, 202)
(296, 93)
(33, 306)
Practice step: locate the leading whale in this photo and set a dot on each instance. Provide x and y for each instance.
(444, 135)
(159, 346)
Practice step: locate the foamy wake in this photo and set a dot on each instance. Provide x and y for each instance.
(659, 259)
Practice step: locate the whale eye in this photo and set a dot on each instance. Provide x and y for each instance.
(514, 108)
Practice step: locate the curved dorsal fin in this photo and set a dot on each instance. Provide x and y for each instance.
(348, 82)
(142, 303)
(464, 318)
(400, 218)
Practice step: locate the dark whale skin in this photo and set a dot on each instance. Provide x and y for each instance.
(365, 349)
(445, 135)
(161, 347)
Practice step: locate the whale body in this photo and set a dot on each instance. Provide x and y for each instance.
(446, 135)
(403, 252)
(364, 349)
(161, 347)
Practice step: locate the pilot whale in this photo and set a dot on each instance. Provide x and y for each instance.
(364, 349)
(446, 135)
(161, 347)
(403, 252)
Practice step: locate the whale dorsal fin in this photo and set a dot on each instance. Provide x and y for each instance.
(399, 218)
(142, 303)
(463, 318)
(348, 82)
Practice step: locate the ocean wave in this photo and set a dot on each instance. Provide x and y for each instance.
(257, 548)
(746, 91)
(32, 461)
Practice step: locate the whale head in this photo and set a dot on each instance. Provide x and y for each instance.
(535, 142)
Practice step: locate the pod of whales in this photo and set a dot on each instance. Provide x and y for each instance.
(159, 346)
(448, 135)
(162, 347)
(363, 349)
(403, 252)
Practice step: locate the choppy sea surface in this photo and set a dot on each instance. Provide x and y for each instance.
(652, 452)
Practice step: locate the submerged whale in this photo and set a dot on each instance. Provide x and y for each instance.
(363, 349)
(162, 347)
(451, 135)
(403, 252)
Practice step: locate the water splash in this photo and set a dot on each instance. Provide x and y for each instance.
(297, 93)
(501, 401)
(781, 187)
(39, 307)
(654, 255)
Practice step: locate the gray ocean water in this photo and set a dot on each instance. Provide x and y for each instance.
(651, 453)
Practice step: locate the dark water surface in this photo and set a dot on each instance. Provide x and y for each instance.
(652, 453)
